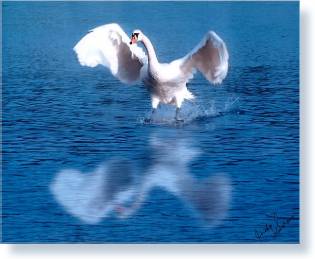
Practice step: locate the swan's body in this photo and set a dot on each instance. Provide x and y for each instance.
(108, 45)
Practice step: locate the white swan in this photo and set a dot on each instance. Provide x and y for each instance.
(108, 45)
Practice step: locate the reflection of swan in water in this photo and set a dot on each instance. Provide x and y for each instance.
(115, 189)
(92, 196)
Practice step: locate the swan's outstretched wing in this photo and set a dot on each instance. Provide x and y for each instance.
(108, 45)
(210, 57)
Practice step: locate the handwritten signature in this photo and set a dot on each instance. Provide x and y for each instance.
(273, 228)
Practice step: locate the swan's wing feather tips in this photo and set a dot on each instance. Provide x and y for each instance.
(210, 57)
(108, 45)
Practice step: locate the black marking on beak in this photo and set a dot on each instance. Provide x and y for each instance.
(135, 36)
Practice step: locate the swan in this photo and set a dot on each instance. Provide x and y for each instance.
(109, 45)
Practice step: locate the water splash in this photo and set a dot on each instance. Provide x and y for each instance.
(191, 112)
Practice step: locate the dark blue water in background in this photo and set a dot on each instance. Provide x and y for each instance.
(231, 168)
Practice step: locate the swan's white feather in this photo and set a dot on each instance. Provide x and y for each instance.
(210, 57)
(108, 45)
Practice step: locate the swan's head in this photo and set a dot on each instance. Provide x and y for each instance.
(136, 36)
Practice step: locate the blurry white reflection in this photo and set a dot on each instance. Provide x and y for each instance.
(95, 195)
(117, 189)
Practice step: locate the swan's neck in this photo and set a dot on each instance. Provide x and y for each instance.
(153, 62)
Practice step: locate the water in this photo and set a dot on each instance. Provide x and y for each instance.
(80, 164)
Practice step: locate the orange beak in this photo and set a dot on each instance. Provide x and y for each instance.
(133, 40)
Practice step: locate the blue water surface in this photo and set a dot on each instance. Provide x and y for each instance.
(81, 165)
